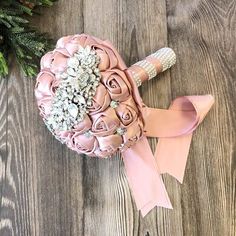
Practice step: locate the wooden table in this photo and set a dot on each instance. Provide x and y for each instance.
(46, 189)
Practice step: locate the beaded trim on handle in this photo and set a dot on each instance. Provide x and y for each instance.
(148, 67)
(166, 58)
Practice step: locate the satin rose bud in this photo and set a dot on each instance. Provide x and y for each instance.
(44, 105)
(109, 144)
(100, 101)
(83, 126)
(117, 84)
(55, 61)
(45, 85)
(133, 133)
(65, 136)
(46, 61)
(105, 123)
(127, 112)
(83, 144)
(109, 56)
(44, 91)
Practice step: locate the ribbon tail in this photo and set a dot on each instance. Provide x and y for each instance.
(171, 155)
(144, 178)
(175, 127)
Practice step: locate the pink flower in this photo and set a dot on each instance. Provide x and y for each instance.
(127, 112)
(83, 126)
(46, 60)
(133, 133)
(44, 106)
(108, 145)
(65, 136)
(100, 101)
(46, 85)
(80, 128)
(105, 123)
(44, 91)
(55, 61)
(110, 58)
(83, 144)
(117, 84)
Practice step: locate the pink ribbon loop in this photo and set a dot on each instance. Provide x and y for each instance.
(174, 127)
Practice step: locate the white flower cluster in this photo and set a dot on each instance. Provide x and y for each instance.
(76, 90)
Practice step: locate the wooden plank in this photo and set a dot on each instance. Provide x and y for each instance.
(136, 30)
(5, 203)
(201, 33)
(45, 192)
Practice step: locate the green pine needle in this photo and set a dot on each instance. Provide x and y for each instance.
(19, 38)
(3, 66)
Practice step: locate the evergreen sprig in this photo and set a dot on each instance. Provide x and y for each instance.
(17, 36)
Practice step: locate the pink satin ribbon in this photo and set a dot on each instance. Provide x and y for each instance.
(174, 127)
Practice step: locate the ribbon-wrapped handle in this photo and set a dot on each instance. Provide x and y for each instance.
(152, 65)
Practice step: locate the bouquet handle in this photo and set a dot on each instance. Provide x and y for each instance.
(152, 65)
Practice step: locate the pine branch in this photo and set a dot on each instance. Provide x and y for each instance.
(3, 65)
(19, 37)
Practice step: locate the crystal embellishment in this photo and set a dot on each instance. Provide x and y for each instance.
(121, 131)
(114, 104)
(76, 89)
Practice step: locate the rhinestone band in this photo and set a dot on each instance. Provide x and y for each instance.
(148, 67)
(166, 56)
(137, 79)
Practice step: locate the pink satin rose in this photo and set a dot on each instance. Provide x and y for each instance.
(110, 58)
(83, 126)
(46, 60)
(44, 106)
(127, 112)
(117, 84)
(132, 134)
(61, 43)
(105, 123)
(44, 91)
(46, 85)
(100, 101)
(65, 136)
(108, 145)
(83, 144)
(55, 61)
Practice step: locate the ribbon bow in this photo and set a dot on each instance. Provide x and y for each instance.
(174, 128)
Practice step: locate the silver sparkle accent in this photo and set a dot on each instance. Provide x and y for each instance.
(136, 78)
(114, 104)
(166, 56)
(73, 110)
(76, 90)
(88, 134)
(121, 130)
(121, 146)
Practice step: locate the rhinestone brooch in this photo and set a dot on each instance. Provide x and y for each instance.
(76, 90)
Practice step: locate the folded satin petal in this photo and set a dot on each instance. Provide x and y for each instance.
(175, 127)
(144, 179)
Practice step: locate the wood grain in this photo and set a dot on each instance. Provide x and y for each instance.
(46, 189)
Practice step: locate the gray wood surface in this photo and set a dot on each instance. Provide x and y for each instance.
(46, 189)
